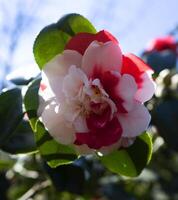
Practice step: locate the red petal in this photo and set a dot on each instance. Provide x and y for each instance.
(163, 43)
(134, 66)
(43, 86)
(81, 41)
(95, 121)
(109, 82)
(105, 136)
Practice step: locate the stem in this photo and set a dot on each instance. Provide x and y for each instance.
(35, 189)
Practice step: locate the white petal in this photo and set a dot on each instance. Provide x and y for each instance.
(134, 122)
(53, 87)
(70, 111)
(73, 82)
(56, 125)
(126, 89)
(45, 93)
(109, 149)
(60, 64)
(126, 142)
(80, 124)
(123, 142)
(103, 57)
(58, 67)
(147, 89)
(84, 149)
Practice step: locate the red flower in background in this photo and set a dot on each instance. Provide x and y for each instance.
(163, 43)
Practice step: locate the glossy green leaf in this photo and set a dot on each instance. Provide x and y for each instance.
(54, 153)
(10, 113)
(31, 101)
(22, 140)
(50, 42)
(75, 23)
(53, 38)
(130, 161)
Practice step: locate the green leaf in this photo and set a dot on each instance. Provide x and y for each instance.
(75, 23)
(20, 81)
(22, 140)
(130, 161)
(50, 42)
(54, 153)
(31, 101)
(53, 38)
(10, 113)
(6, 162)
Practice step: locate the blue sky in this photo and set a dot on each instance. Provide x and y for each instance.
(133, 22)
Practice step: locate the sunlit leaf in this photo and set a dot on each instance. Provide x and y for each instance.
(53, 38)
(75, 23)
(132, 160)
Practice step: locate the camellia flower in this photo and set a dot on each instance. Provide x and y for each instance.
(161, 53)
(93, 95)
(162, 43)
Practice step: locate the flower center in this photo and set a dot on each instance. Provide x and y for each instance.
(92, 99)
(85, 98)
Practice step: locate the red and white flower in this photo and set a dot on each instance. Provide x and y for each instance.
(94, 95)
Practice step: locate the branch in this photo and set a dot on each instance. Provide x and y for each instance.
(35, 189)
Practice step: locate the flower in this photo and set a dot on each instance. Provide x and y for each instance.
(93, 95)
(162, 43)
(161, 53)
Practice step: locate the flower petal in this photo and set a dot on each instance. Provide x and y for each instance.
(136, 67)
(73, 81)
(147, 89)
(99, 58)
(60, 64)
(134, 122)
(58, 67)
(108, 149)
(84, 149)
(97, 121)
(123, 142)
(81, 41)
(126, 89)
(56, 125)
(163, 43)
(126, 142)
(80, 124)
(98, 138)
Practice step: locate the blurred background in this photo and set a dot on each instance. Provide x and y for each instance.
(134, 24)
